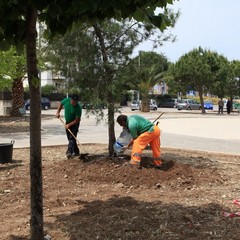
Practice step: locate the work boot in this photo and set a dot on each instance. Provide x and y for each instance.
(157, 163)
(68, 154)
(134, 164)
(75, 154)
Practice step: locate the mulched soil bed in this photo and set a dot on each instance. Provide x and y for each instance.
(102, 198)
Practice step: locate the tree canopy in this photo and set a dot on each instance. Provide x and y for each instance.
(200, 70)
(59, 16)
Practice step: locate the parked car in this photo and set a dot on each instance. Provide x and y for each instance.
(188, 104)
(168, 103)
(208, 104)
(135, 105)
(236, 105)
(45, 103)
(153, 105)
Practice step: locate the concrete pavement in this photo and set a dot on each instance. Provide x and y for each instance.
(179, 129)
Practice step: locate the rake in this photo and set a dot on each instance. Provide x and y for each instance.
(83, 156)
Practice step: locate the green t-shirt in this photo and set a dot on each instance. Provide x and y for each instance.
(137, 125)
(71, 112)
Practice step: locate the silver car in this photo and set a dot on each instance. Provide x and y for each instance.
(135, 105)
(153, 105)
(188, 104)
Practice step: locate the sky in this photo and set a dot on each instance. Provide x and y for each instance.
(211, 24)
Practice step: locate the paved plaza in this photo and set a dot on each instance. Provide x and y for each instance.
(179, 129)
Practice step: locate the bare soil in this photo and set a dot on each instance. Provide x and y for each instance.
(103, 198)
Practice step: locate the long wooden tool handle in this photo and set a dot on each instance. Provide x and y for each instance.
(70, 131)
(158, 117)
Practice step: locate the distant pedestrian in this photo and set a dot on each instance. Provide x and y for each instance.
(220, 106)
(229, 106)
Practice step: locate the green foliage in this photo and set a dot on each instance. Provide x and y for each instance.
(198, 70)
(145, 71)
(232, 87)
(5, 84)
(12, 66)
(219, 86)
(48, 89)
(79, 56)
(60, 15)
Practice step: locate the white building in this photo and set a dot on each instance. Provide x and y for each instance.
(48, 78)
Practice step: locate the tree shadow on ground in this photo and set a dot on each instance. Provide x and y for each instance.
(12, 237)
(11, 165)
(127, 218)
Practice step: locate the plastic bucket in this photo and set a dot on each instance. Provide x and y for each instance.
(118, 147)
(6, 151)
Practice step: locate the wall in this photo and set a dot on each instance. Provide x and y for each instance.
(5, 103)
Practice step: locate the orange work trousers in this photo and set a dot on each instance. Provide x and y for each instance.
(140, 143)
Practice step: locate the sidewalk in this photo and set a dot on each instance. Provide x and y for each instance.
(195, 131)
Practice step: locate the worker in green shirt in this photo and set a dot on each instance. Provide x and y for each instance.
(72, 114)
(143, 132)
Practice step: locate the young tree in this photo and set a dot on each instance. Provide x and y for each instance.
(18, 21)
(95, 58)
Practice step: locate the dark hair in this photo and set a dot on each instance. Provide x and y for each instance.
(75, 97)
(122, 119)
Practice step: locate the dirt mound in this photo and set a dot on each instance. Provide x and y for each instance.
(104, 198)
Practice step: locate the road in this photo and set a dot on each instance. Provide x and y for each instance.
(179, 129)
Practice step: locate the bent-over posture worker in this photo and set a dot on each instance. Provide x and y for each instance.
(143, 132)
(72, 114)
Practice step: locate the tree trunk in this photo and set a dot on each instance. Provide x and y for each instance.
(145, 104)
(231, 99)
(17, 97)
(145, 100)
(111, 130)
(36, 220)
(110, 99)
(201, 100)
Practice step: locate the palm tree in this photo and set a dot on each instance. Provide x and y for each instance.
(149, 73)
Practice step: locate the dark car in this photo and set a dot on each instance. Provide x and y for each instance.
(168, 103)
(45, 103)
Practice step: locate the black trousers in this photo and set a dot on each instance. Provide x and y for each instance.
(72, 143)
(220, 109)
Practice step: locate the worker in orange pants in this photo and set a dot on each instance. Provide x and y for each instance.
(143, 132)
